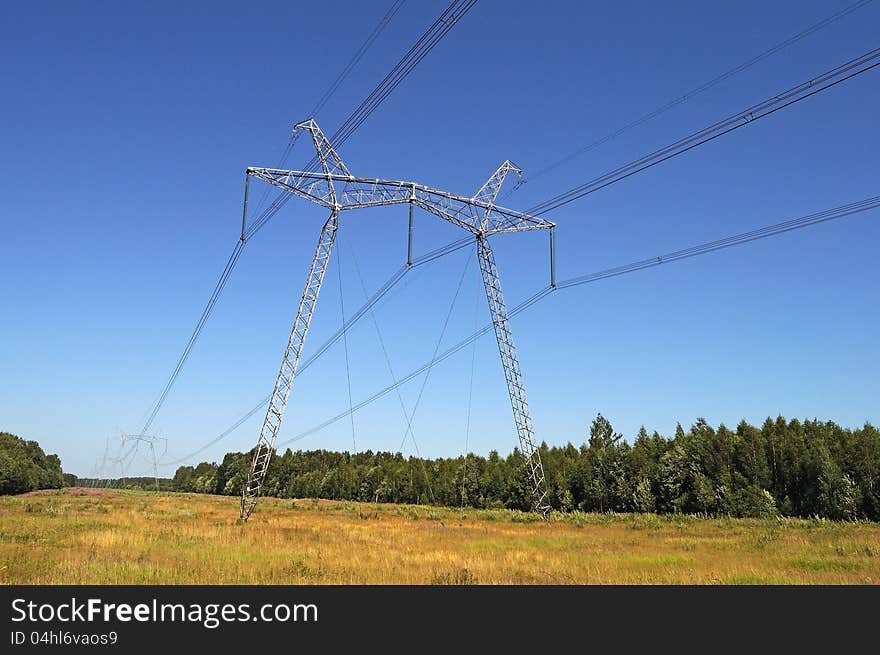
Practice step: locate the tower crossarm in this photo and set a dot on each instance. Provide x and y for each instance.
(478, 214)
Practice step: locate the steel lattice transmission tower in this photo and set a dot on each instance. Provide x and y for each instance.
(335, 188)
(124, 458)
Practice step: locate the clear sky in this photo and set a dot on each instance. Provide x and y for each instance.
(126, 129)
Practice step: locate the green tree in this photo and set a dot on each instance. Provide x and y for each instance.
(25, 467)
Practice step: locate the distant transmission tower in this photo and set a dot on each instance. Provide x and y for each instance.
(124, 458)
(98, 477)
(477, 214)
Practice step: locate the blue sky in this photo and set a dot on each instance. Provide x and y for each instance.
(127, 128)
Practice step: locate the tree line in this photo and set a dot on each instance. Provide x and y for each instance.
(25, 467)
(791, 468)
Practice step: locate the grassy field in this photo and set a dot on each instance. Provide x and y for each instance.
(84, 536)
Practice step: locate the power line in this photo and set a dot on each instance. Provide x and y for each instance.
(358, 55)
(467, 423)
(727, 242)
(409, 420)
(447, 20)
(807, 89)
(345, 334)
(197, 331)
(425, 43)
(334, 86)
(694, 92)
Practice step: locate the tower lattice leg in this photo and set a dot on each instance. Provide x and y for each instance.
(284, 382)
(513, 376)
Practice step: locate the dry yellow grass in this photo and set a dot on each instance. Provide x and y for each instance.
(79, 536)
